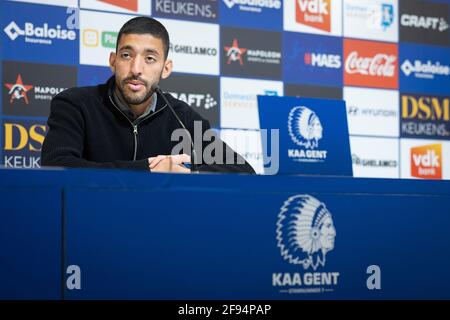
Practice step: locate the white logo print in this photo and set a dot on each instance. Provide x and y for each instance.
(229, 3)
(425, 70)
(13, 31)
(379, 65)
(304, 127)
(305, 231)
(271, 4)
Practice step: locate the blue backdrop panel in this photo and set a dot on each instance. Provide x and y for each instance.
(30, 243)
(144, 245)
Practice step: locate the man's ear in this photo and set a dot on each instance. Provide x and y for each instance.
(112, 61)
(167, 70)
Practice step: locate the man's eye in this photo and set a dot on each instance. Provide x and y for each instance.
(125, 55)
(150, 59)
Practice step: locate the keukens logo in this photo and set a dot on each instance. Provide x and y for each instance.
(314, 13)
(425, 116)
(424, 70)
(305, 130)
(39, 34)
(305, 234)
(322, 60)
(193, 9)
(426, 161)
(253, 5)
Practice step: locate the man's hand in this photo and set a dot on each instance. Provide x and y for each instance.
(173, 163)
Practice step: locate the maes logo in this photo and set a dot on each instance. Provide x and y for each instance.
(322, 60)
(305, 235)
(18, 90)
(131, 5)
(426, 161)
(40, 35)
(314, 13)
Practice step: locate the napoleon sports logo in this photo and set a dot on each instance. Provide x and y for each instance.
(305, 231)
(304, 127)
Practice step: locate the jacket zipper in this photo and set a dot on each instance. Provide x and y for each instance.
(135, 126)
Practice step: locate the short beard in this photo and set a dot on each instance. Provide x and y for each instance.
(133, 100)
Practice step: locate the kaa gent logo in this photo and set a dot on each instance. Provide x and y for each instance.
(305, 131)
(305, 231)
(305, 234)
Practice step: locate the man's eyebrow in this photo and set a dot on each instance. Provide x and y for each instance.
(148, 50)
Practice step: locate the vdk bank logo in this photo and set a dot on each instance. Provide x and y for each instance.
(314, 13)
(305, 235)
(41, 35)
(305, 131)
(426, 161)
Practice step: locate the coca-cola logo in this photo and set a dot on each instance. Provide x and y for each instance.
(381, 65)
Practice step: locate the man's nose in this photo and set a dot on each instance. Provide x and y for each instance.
(136, 66)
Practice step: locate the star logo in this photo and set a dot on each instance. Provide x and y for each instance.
(234, 53)
(18, 90)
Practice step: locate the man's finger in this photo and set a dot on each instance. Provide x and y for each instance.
(154, 161)
(181, 158)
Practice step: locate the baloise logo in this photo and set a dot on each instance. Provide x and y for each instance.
(41, 35)
(427, 70)
(253, 5)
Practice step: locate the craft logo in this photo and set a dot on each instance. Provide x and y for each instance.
(253, 5)
(22, 144)
(305, 131)
(18, 90)
(131, 5)
(305, 234)
(322, 60)
(421, 22)
(234, 53)
(426, 161)
(314, 13)
(370, 64)
(39, 34)
(424, 70)
(196, 100)
(424, 22)
(425, 116)
(200, 92)
(200, 9)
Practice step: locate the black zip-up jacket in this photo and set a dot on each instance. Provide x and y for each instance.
(87, 129)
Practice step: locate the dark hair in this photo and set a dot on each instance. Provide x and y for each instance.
(146, 25)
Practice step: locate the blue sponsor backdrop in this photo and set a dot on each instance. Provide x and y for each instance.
(256, 15)
(424, 69)
(310, 59)
(322, 147)
(161, 252)
(93, 75)
(37, 33)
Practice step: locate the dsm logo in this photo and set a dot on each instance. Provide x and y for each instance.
(304, 127)
(305, 231)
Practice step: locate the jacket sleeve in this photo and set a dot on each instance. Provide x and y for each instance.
(228, 160)
(64, 144)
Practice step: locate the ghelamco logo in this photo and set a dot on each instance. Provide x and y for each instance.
(305, 131)
(427, 70)
(254, 5)
(305, 234)
(39, 34)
